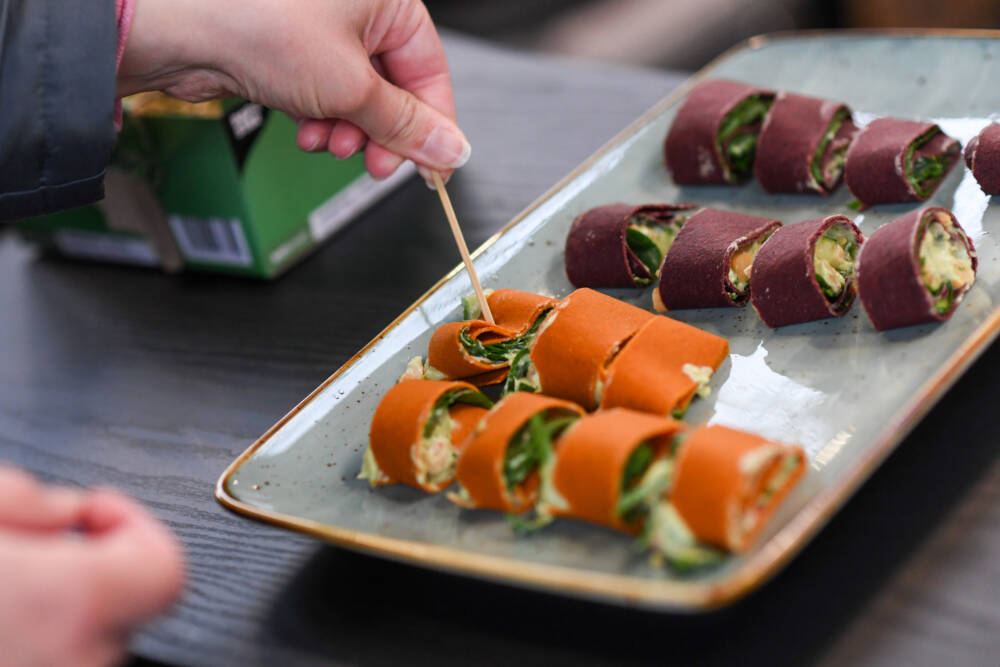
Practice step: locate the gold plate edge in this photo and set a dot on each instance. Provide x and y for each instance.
(676, 596)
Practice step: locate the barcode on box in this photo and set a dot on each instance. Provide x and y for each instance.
(211, 240)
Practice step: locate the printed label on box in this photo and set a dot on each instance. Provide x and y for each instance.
(350, 202)
(211, 240)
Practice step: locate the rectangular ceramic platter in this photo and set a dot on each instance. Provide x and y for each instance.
(845, 392)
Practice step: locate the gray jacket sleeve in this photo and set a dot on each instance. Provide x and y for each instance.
(57, 91)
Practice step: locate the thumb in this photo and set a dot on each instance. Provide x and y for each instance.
(405, 125)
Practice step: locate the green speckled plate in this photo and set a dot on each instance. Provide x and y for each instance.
(845, 392)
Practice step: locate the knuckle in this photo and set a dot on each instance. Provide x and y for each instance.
(407, 122)
(360, 95)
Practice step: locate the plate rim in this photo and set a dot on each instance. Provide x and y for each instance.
(656, 594)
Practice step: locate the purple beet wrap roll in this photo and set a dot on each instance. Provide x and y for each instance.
(892, 270)
(982, 155)
(598, 252)
(698, 269)
(893, 160)
(694, 151)
(802, 144)
(790, 274)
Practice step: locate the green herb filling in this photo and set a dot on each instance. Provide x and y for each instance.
(650, 240)
(833, 260)
(945, 263)
(924, 172)
(736, 140)
(829, 173)
(531, 446)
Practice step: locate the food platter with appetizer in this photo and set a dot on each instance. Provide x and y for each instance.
(689, 353)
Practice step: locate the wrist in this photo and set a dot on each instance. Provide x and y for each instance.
(170, 46)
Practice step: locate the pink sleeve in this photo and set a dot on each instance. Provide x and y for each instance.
(123, 14)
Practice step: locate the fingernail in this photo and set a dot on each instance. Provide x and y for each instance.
(314, 145)
(446, 147)
(425, 174)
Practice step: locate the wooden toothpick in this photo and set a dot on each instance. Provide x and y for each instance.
(460, 242)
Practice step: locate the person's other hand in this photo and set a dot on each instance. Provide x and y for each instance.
(78, 571)
(372, 75)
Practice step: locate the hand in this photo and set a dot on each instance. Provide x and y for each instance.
(372, 75)
(78, 571)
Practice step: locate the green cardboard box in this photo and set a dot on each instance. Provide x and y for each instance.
(218, 186)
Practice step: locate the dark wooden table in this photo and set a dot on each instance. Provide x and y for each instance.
(153, 384)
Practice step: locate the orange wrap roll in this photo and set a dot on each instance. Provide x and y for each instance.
(398, 425)
(579, 338)
(516, 310)
(591, 461)
(446, 353)
(720, 476)
(648, 373)
(480, 466)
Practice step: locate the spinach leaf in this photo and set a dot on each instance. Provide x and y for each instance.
(630, 500)
(749, 111)
(504, 350)
(525, 452)
(831, 131)
(924, 173)
(525, 525)
(440, 409)
(530, 447)
(636, 465)
(645, 249)
(499, 352)
(928, 167)
(943, 304)
(740, 150)
(517, 378)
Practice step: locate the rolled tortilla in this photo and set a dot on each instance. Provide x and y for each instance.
(417, 431)
(802, 144)
(915, 269)
(590, 464)
(662, 367)
(727, 483)
(447, 354)
(710, 260)
(579, 338)
(481, 466)
(893, 160)
(982, 155)
(805, 271)
(620, 245)
(718, 122)
(518, 311)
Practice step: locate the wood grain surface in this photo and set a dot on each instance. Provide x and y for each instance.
(153, 384)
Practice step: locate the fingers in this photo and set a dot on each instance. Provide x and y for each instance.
(380, 161)
(403, 124)
(136, 564)
(346, 139)
(314, 135)
(48, 603)
(73, 598)
(27, 504)
(412, 57)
